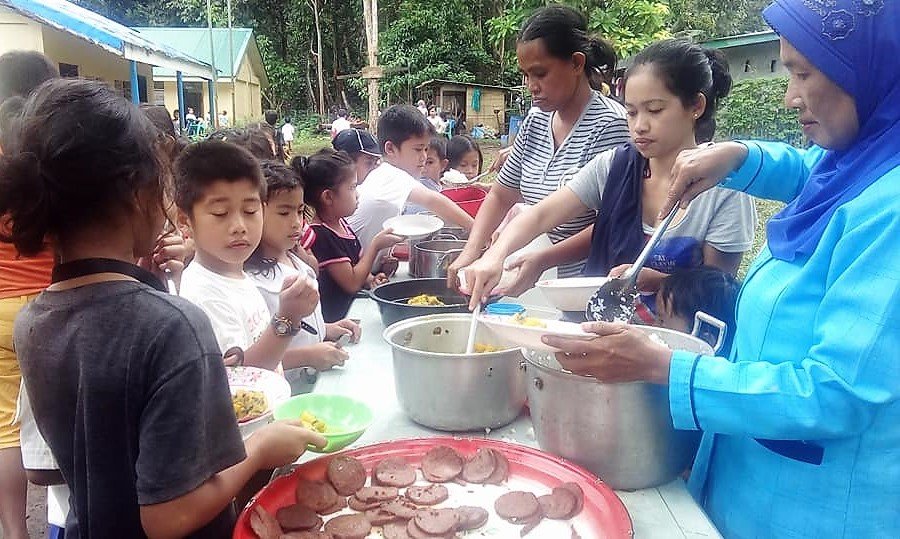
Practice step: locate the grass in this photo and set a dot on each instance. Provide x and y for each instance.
(309, 144)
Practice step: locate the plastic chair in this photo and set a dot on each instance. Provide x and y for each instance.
(451, 125)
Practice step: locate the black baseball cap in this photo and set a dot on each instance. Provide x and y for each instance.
(356, 140)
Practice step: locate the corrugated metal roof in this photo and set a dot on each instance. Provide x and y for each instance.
(443, 81)
(195, 42)
(107, 34)
(740, 40)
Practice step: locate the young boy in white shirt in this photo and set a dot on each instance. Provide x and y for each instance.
(219, 193)
(404, 135)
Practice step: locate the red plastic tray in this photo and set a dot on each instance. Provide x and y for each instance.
(604, 514)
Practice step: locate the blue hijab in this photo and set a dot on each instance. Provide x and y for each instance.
(856, 44)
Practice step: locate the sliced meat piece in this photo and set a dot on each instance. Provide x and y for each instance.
(442, 464)
(377, 494)
(517, 506)
(263, 524)
(414, 531)
(559, 505)
(357, 505)
(531, 523)
(339, 506)
(395, 530)
(501, 471)
(394, 472)
(436, 521)
(346, 474)
(379, 516)
(480, 467)
(402, 508)
(579, 497)
(471, 518)
(298, 517)
(317, 495)
(349, 527)
(307, 535)
(428, 495)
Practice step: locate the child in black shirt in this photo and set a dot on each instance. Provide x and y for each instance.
(126, 382)
(344, 268)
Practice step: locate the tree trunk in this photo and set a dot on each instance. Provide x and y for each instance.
(336, 57)
(370, 13)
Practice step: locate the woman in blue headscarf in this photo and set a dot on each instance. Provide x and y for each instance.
(802, 423)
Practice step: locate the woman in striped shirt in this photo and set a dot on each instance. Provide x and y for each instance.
(574, 124)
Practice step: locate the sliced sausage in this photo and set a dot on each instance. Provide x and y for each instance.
(395, 530)
(307, 535)
(264, 524)
(530, 523)
(516, 506)
(394, 472)
(579, 497)
(480, 467)
(349, 527)
(317, 495)
(346, 474)
(402, 508)
(357, 505)
(377, 494)
(428, 495)
(442, 464)
(297, 517)
(559, 505)
(471, 518)
(501, 471)
(379, 516)
(339, 506)
(436, 521)
(414, 531)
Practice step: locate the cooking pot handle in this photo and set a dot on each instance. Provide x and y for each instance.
(444, 256)
(702, 318)
(445, 236)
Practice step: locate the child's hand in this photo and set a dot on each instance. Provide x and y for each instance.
(281, 443)
(334, 331)
(385, 239)
(389, 266)
(325, 356)
(298, 298)
(379, 279)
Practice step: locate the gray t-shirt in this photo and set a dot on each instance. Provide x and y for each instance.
(536, 169)
(129, 390)
(723, 218)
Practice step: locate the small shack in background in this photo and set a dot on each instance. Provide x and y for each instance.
(480, 103)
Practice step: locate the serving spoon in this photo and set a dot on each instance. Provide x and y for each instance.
(615, 300)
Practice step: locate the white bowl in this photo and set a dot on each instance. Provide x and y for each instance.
(273, 385)
(570, 294)
(530, 336)
(414, 227)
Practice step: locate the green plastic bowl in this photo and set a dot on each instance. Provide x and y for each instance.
(347, 419)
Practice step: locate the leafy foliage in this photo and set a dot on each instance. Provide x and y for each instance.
(755, 109)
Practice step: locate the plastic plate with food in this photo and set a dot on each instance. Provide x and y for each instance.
(526, 331)
(255, 393)
(414, 227)
(570, 294)
(341, 420)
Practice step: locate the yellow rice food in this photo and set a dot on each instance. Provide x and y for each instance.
(425, 300)
(311, 422)
(248, 404)
(528, 321)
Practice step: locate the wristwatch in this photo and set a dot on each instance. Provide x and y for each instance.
(283, 326)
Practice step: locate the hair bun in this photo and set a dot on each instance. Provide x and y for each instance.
(721, 75)
(24, 198)
(299, 164)
(602, 57)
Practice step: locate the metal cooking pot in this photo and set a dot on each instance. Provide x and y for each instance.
(441, 387)
(431, 258)
(621, 432)
(392, 299)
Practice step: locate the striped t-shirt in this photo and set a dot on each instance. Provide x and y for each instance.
(535, 169)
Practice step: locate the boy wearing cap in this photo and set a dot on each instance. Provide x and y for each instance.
(362, 148)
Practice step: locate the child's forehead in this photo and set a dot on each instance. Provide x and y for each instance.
(231, 190)
(417, 140)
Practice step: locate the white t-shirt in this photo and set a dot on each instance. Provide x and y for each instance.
(437, 122)
(341, 124)
(287, 131)
(235, 307)
(269, 284)
(383, 195)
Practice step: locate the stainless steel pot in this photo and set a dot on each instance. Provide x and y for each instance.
(621, 432)
(441, 387)
(431, 258)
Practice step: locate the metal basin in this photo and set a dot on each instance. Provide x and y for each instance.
(392, 299)
(621, 432)
(441, 387)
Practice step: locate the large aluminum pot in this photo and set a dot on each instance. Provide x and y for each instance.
(432, 258)
(441, 387)
(621, 432)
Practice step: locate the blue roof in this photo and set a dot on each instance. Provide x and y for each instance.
(105, 33)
